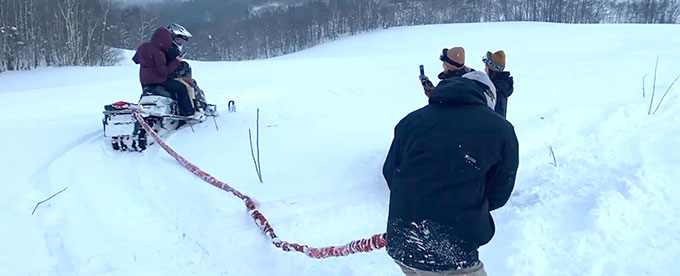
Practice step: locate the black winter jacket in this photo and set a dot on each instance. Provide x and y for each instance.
(450, 163)
(173, 52)
(504, 88)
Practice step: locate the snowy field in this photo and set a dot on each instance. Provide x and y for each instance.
(609, 206)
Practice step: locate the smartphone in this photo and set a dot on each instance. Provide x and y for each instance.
(422, 71)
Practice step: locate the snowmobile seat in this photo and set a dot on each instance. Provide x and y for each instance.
(157, 90)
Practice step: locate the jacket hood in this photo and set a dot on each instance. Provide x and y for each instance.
(489, 89)
(458, 91)
(162, 39)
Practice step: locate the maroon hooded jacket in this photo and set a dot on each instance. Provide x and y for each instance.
(154, 67)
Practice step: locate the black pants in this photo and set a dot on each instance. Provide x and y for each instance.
(181, 94)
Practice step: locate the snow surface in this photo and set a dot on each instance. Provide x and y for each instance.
(609, 207)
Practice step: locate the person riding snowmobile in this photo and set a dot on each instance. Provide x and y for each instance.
(170, 96)
(180, 36)
(155, 67)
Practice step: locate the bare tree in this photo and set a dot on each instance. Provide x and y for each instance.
(81, 32)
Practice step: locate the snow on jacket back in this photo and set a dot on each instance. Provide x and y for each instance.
(450, 163)
(151, 56)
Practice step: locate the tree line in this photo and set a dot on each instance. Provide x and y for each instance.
(36, 33)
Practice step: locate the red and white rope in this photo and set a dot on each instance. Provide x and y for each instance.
(364, 245)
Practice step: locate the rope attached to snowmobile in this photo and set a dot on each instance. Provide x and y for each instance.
(364, 245)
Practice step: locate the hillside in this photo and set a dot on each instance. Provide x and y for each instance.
(607, 207)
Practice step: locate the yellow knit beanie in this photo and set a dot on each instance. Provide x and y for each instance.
(495, 61)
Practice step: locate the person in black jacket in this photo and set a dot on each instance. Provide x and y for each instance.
(186, 101)
(453, 63)
(495, 64)
(450, 164)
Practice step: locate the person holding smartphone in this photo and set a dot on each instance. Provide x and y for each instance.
(453, 63)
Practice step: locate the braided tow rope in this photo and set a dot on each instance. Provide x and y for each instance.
(364, 245)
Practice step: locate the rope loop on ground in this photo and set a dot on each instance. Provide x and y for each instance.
(364, 245)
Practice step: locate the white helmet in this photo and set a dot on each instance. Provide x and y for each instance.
(178, 30)
(482, 78)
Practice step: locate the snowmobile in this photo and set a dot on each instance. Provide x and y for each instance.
(159, 109)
